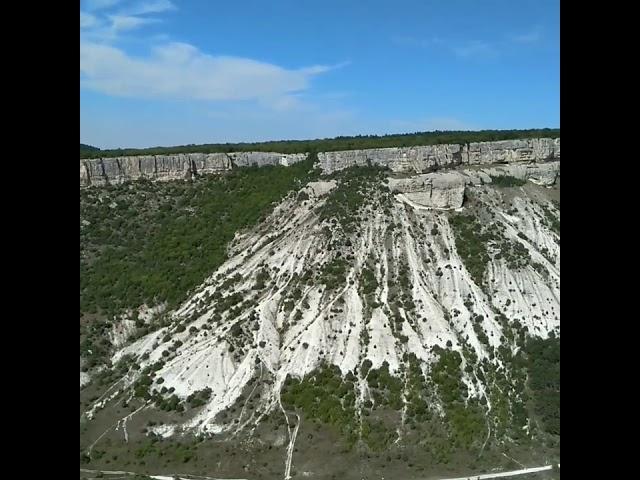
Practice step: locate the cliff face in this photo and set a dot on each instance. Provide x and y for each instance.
(103, 171)
(432, 157)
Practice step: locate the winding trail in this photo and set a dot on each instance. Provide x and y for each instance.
(511, 473)
(116, 426)
(287, 473)
(513, 459)
(488, 428)
(123, 422)
(292, 439)
(158, 477)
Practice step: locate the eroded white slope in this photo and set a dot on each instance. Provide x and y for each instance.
(292, 325)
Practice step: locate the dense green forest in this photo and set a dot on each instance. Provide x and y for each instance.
(152, 242)
(333, 144)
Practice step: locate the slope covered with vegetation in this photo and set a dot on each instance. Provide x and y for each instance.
(148, 243)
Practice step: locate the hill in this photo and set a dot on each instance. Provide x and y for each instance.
(335, 322)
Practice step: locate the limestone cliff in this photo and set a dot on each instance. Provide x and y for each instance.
(432, 157)
(102, 171)
(419, 159)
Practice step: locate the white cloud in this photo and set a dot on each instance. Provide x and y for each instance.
(88, 20)
(253, 99)
(92, 5)
(476, 49)
(107, 27)
(181, 71)
(124, 22)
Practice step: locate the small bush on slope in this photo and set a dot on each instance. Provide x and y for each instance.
(324, 395)
(355, 189)
(471, 245)
(466, 421)
(507, 181)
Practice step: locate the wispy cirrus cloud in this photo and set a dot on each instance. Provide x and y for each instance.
(532, 36)
(476, 49)
(409, 41)
(121, 23)
(101, 21)
(472, 49)
(146, 7)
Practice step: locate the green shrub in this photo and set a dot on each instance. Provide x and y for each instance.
(507, 181)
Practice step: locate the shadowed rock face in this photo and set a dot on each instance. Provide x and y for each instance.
(103, 171)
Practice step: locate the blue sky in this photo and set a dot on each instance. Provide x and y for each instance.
(173, 72)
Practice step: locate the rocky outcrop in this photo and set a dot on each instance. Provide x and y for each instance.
(432, 190)
(318, 189)
(445, 190)
(420, 159)
(544, 174)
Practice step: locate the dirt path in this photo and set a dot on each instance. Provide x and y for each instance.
(158, 477)
(116, 426)
(510, 473)
(292, 439)
(287, 473)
